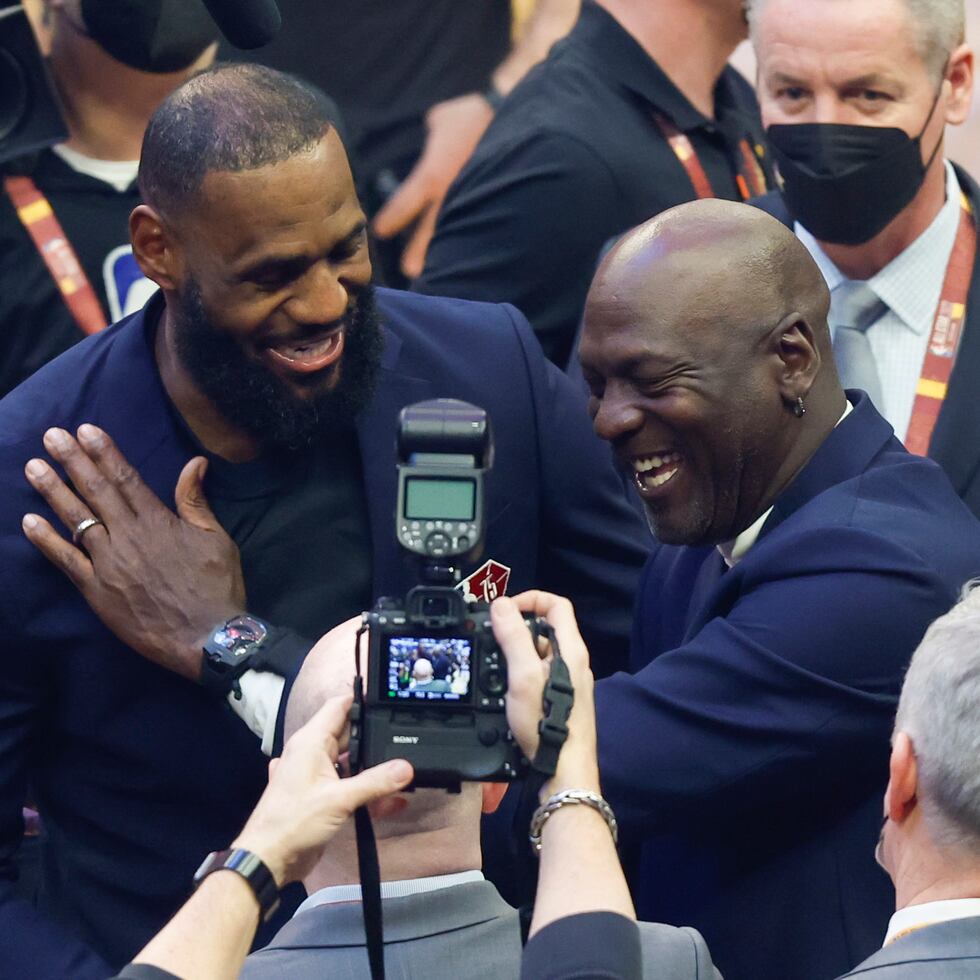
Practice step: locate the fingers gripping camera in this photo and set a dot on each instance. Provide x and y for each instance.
(435, 690)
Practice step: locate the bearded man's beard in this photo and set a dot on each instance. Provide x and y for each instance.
(254, 399)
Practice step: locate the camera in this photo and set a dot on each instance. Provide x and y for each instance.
(436, 681)
(30, 117)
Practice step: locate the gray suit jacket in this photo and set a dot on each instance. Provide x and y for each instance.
(945, 951)
(466, 931)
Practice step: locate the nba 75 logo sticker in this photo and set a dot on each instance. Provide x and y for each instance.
(485, 584)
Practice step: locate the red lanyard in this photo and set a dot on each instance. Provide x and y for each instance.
(937, 367)
(749, 175)
(56, 252)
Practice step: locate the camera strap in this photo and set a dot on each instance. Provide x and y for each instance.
(368, 867)
(369, 872)
(559, 696)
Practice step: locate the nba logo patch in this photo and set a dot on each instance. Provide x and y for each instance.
(126, 288)
(485, 584)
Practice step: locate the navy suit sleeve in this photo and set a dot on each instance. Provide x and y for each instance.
(30, 944)
(587, 946)
(593, 541)
(524, 224)
(788, 697)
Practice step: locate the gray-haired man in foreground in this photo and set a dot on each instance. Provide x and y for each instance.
(930, 842)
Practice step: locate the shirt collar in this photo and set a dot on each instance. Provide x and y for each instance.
(600, 38)
(914, 917)
(923, 262)
(734, 551)
(335, 894)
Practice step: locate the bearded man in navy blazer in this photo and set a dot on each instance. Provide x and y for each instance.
(265, 359)
(804, 553)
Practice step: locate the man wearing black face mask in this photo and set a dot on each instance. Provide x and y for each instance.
(856, 96)
(113, 62)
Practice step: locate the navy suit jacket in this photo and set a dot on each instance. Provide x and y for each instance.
(955, 443)
(138, 772)
(749, 748)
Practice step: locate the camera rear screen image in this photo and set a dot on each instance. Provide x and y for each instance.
(427, 668)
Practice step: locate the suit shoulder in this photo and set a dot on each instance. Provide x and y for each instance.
(772, 203)
(673, 952)
(63, 388)
(900, 514)
(427, 320)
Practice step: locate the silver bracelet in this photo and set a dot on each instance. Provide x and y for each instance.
(568, 796)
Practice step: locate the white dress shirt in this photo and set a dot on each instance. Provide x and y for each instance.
(335, 894)
(910, 287)
(914, 917)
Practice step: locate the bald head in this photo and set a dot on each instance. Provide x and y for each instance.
(723, 257)
(709, 358)
(432, 832)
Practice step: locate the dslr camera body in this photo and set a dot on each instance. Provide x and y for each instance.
(436, 681)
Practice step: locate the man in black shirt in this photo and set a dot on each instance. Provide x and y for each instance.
(589, 145)
(90, 182)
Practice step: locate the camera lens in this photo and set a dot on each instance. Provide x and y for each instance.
(13, 94)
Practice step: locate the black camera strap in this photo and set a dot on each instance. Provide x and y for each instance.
(559, 696)
(370, 874)
(368, 867)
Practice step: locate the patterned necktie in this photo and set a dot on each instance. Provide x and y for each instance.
(856, 307)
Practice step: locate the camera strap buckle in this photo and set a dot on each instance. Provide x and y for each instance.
(559, 696)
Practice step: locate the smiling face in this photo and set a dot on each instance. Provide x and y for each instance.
(269, 304)
(689, 402)
(280, 256)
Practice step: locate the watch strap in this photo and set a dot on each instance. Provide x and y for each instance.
(251, 867)
(493, 96)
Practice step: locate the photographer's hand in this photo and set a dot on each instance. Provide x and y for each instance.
(160, 581)
(580, 869)
(527, 673)
(303, 806)
(306, 802)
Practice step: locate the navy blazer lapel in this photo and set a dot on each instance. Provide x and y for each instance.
(151, 439)
(845, 453)
(955, 442)
(699, 610)
(376, 435)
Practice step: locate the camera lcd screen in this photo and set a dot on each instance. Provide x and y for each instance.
(436, 499)
(427, 668)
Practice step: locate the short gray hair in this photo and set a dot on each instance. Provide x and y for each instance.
(940, 26)
(939, 709)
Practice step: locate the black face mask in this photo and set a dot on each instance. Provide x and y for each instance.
(844, 184)
(150, 35)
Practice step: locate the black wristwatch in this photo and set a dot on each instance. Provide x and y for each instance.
(228, 650)
(251, 868)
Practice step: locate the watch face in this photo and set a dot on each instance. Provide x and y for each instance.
(239, 635)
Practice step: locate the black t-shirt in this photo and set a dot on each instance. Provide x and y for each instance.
(35, 324)
(573, 159)
(385, 62)
(301, 524)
